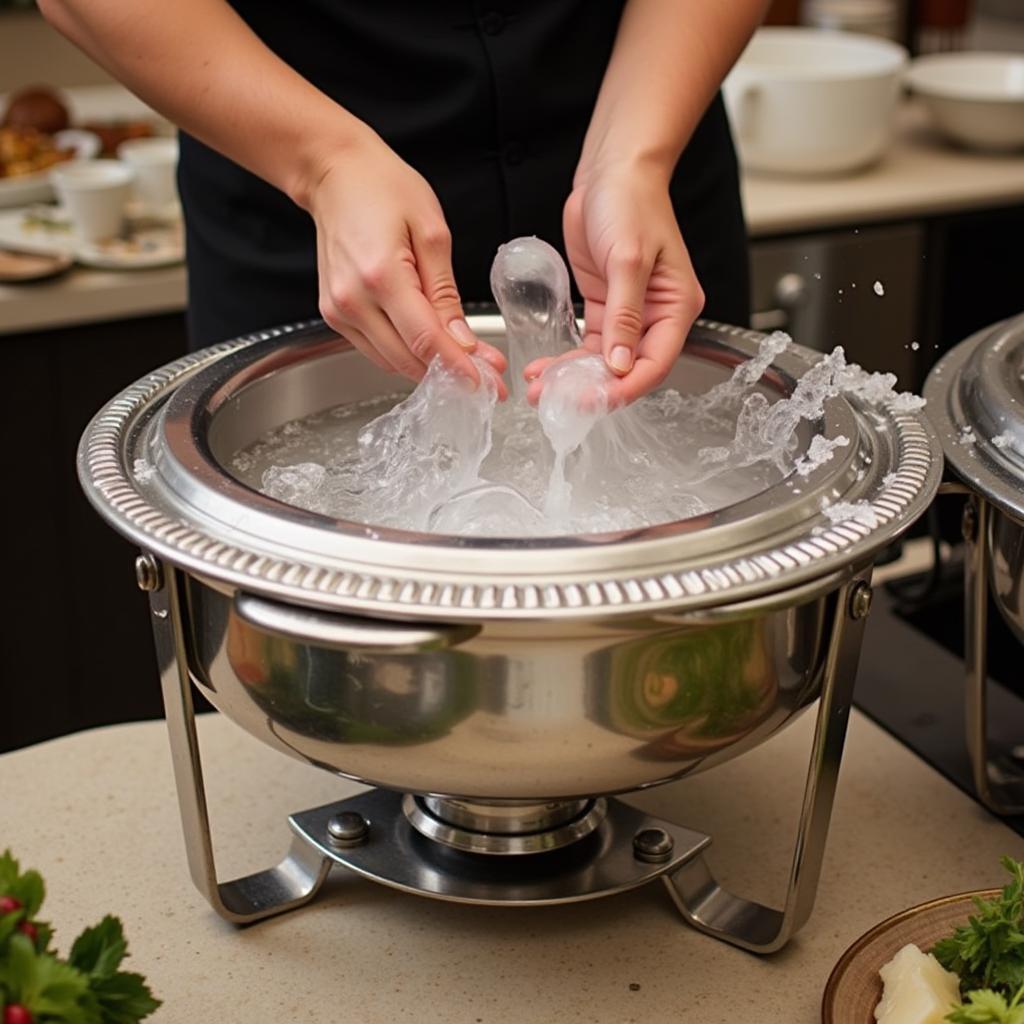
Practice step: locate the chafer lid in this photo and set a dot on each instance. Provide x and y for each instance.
(193, 513)
(976, 401)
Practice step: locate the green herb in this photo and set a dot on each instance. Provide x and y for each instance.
(88, 988)
(988, 951)
(987, 1007)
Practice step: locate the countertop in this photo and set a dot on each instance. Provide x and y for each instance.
(920, 175)
(96, 813)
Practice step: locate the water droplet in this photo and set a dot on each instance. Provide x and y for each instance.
(879, 288)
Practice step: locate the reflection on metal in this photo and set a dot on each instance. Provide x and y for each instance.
(998, 779)
(424, 815)
(752, 926)
(302, 871)
(615, 848)
(398, 856)
(975, 399)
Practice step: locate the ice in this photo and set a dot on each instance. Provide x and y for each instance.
(1003, 440)
(530, 283)
(453, 460)
(143, 471)
(294, 484)
(573, 401)
(820, 451)
(860, 512)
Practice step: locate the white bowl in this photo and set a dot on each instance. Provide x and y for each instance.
(95, 193)
(805, 101)
(977, 99)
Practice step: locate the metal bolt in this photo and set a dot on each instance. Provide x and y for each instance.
(349, 828)
(652, 845)
(147, 573)
(860, 601)
(969, 522)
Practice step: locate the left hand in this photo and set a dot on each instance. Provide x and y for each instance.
(640, 293)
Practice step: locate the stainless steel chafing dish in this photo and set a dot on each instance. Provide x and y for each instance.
(976, 401)
(499, 692)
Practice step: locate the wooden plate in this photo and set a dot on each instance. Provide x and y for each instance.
(854, 987)
(17, 266)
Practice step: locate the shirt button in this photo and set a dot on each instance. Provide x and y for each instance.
(492, 23)
(514, 154)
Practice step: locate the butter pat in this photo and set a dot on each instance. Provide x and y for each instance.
(918, 990)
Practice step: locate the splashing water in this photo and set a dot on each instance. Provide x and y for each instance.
(452, 460)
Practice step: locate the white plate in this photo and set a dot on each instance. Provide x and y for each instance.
(152, 245)
(18, 230)
(160, 247)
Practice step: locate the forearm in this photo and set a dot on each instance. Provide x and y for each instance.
(670, 57)
(200, 65)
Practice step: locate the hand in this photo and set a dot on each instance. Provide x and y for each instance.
(640, 293)
(385, 268)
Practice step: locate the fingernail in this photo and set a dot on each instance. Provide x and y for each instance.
(460, 331)
(621, 359)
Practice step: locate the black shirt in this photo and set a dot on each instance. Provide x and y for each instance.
(490, 102)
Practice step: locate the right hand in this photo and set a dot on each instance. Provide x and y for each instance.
(385, 266)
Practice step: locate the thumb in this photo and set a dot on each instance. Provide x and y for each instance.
(623, 322)
(432, 248)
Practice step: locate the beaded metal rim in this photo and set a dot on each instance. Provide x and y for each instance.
(822, 549)
(973, 458)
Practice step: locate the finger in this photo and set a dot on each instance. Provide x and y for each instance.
(535, 371)
(342, 322)
(432, 249)
(417, 324)
(623, 323)
(340, 306)
(659, 349)
(359, 341)
(497, 362)
(537, 367)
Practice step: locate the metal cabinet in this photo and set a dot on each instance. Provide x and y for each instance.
(861, 289)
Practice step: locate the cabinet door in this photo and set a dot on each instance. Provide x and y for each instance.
(857, 288)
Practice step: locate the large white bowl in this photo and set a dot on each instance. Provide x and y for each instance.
(805, 101)
(977, 99)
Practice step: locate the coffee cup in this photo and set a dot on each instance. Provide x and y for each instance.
(154, 162)
(94, 192)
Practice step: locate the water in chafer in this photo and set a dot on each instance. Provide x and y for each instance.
(450, 459)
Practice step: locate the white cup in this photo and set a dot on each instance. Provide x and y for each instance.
(154, 162)
(94, 193)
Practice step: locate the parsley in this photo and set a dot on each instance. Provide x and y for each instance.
(87, 988)
(988, 951)
(988, 1007)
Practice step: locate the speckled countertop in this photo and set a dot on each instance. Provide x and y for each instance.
(919, 175)
(96, 813)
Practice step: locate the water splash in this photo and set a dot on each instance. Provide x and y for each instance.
(452, 460)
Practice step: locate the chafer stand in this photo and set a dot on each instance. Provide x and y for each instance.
(370, 834)
(998, 780)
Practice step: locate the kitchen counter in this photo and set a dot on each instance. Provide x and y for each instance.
(96, 813)
(84, 295)
(920, 176)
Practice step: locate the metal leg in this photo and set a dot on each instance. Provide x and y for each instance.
(752, 926)
(298, 877)
(1000, 786)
